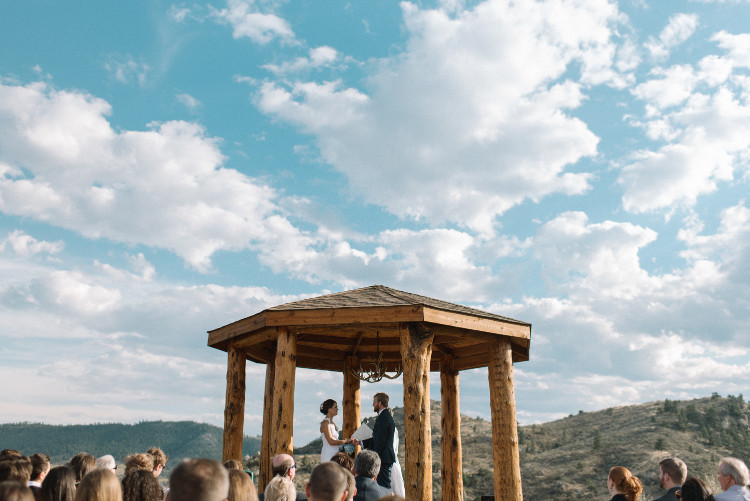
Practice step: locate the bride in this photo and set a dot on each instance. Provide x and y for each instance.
(329, 432)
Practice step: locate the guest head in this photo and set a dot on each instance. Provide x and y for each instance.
(367, 464)
(621, 481)
(695, 489)
(380, 401)
(199, 480)
(59, 484)
(283, 465)
(9, 454)
(232, 464)
(280, 488)
(82, 463)
(241, 487)
(40, 466)
(99, 485)
(160, 460)
(17, 469)
(329, 408)
(10, 490)
(732, 471)
(344, 460)
(672, 472)
(351, 485)
(106, 462)
(141, 485)
(142, 461)
(327, 483)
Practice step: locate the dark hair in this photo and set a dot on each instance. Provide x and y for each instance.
(327, 405)
(141, 485)
(675, 468)
(695, 489)
(327, 482)
(626, 482)
(10, 490)
(17, 469)
(82, 463)
(343, 459)
(160, 458)
(39, 464)
(59, 484)
(382, 398)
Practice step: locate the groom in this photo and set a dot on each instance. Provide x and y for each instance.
(382, 438)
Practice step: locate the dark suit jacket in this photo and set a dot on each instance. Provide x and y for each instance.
(368, 489)
(669, 496)
(382, 437)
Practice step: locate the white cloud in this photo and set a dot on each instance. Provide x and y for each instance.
(738, 47)
(26, 245)
(191, 103)
(247, 20)
(319, 57)
(680, 28)
(163, 187)
(126, 69)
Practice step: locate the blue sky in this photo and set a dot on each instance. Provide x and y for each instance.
(167, 168)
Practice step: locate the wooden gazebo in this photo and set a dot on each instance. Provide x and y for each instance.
(340, 332)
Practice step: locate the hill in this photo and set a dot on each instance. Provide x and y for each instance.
(179, 440)
(570, 458)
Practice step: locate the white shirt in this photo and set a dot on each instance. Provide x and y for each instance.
(734, 493)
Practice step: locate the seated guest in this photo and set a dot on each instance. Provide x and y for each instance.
(59, 484)
(160, 460)
(327, 483)
(733, 479)
(672, 472)
(9, 454)
(623, 485)
(82, 463)
(283, 465)
(241, 487)
(344, 460)
(99, 485)
(199, 480)
(695, 489)
(10, 490)
(107, 462)
(366, 468)
(17, 469)
(232, 464)
(39, 468)
(280, 489)
(141, 485)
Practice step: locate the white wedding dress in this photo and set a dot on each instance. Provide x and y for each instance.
(397, 478)
(328, 450)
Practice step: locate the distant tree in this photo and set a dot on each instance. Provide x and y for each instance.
(661, 444)
(597, 440)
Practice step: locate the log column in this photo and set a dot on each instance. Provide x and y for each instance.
(234, 407)
(283, 392)
(416, 351)
(451, 469)
(266, 446)
(351, 401)
(505, 455)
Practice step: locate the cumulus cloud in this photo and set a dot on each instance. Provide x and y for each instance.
(680, 28)
(472, 118)
(248, 21)
(191, 103)
(162, 187)
(25, 245)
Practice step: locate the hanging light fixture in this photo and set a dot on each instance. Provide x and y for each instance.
(379, 370)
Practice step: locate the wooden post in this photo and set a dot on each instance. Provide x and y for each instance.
(505, 455)
(282, 427)
(266, 446)
(451, 464)
(234, 407)
(351, 402)
(416, 351)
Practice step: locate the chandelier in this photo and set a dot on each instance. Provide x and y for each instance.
(379, 370)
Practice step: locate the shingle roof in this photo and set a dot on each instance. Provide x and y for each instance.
(380, 295)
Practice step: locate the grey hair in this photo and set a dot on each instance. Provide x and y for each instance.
(735, 469)
(367, 464)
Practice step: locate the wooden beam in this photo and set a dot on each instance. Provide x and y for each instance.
(352, 400)
(234, 407)
(416, 351)
(450, 423)
(266, 445)
(334, 316)
(505, 452)
(238, 328)
(477, 323)
(283, 386)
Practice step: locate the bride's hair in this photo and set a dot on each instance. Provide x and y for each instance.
(327, 405)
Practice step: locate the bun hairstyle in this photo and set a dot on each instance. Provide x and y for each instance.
(626, 482)
(327, 405)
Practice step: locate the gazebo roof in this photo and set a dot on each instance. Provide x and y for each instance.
(332, 327)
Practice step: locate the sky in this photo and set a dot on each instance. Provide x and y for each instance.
(169, 168)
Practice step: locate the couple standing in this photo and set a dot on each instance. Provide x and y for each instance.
(384, 442)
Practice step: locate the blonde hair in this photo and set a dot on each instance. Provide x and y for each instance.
(241, 487)
(99, 485)
(280, 489)
(626, 482)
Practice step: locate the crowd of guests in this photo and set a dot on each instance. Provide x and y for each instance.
(733, 477)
